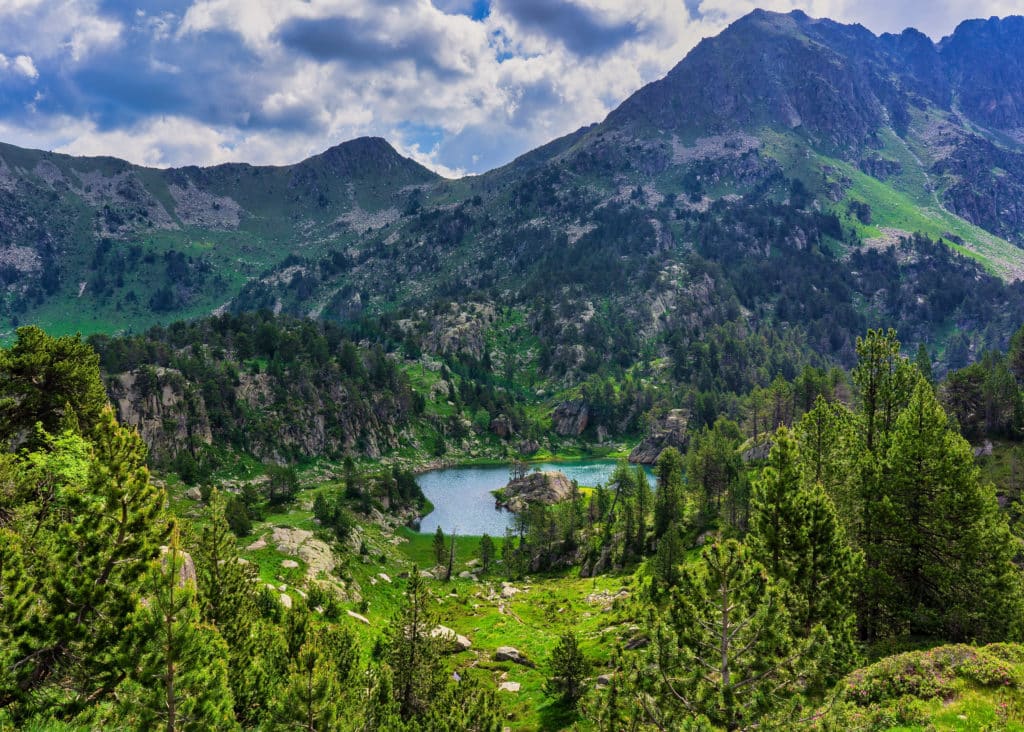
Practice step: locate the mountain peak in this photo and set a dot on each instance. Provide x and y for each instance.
(364, 156)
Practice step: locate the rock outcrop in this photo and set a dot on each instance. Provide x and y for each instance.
(758, 451)
(570, 418)
(528, 447)
(163, 406)
(669, 431)
(453, 641)
(508, 653)
(186, 566)
(501, 426)
(540, 487)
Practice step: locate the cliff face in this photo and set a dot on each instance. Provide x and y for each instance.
(267, 417)
(168, 412)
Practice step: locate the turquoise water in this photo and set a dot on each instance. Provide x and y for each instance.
(462, 495)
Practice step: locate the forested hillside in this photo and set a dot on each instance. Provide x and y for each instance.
(866, 528)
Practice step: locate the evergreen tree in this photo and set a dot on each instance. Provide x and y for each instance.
(568, 670)
(668, 497)
(883, 379)
(228, 596)
(642, 502)
(181, 674)
(923, 362)
(724, 648)
(414, 655)
(439, 547)
(948, 549)
(713, 470)
(795, 533)
(44, 379)
(309, 700)
(667, 558)
(828, 444)
(486, 552)
(776, 512)
(95, 529)
(227, 587)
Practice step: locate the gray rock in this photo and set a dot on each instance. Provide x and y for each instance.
(508, 653)
(669, 431)
(547, 487)
(194, 494)
(455, 642)
(528, 447)
(356, 616)
(635, 644)
(758, 453)
(186, 567)
(570, 418)
(501, 426)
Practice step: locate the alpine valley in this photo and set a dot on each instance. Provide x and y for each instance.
(788, 276)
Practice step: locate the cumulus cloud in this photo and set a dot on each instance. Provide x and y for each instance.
(20, 64)
(459, 85)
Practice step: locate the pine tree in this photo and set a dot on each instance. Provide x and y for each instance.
(883, 379)
(923, 362)
(776, 517)
(182, 668)
(724, 649)
(486, 552)
(95, 528)
(414, 654)
(642, 501)
(451, 558)
(228, 600)
(309, 701)
(828, 444)
(948, 549)
(227, 587)
(668, 497)
(45, 379)
(713, 470)
(440, 550)
(568, 669)
(795, 533)
(665, 563)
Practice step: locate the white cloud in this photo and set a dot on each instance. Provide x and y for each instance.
(52, 29)
(485, 91)
(20, 64)
(23, 64)
(428, 159)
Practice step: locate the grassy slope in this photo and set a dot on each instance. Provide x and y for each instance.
(953, 687)
(905, 203)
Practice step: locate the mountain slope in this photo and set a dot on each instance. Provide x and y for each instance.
(764, 186)
(98, 244)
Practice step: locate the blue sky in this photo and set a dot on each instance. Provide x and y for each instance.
(460, 85)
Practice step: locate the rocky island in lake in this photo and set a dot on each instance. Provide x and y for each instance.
(547, 487)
